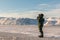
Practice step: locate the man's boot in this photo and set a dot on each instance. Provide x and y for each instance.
(41, 36)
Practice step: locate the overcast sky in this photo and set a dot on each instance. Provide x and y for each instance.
(29, 8)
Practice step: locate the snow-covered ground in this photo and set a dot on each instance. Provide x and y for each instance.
(32, 30)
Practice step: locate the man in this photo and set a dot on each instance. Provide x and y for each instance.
(40, 23)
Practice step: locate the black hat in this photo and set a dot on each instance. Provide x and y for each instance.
(42, 15)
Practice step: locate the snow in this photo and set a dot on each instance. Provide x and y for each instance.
(32, 30)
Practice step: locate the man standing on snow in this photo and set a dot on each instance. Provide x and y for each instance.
(40, 23)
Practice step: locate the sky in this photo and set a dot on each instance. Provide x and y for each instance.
(29, 8)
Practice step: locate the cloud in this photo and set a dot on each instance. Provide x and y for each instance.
(48, 7)
(30, 14)
(49, 10)
(53, 13)
(57, 6)
(25, 14)
(43, 6)
(8, 15)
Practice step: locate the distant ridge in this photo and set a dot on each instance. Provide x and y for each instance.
(27, 21)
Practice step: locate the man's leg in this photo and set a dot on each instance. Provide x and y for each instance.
(41, 31)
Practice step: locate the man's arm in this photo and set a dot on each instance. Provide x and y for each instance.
(38, 18)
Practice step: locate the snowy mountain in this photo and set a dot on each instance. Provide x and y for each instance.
(52, 21)
(7, 21)
(27, 21)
